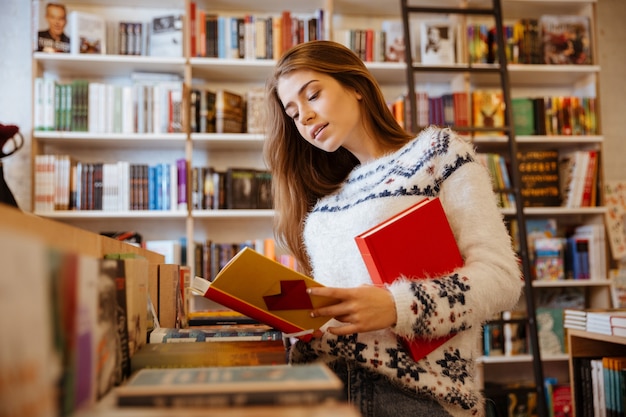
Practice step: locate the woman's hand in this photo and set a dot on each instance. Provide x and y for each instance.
(362, 309)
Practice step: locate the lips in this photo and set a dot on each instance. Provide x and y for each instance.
(316, 130)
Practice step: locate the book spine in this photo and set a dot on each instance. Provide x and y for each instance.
(230, 399)
(369, 262)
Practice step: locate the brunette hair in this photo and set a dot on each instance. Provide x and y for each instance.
(302, 173)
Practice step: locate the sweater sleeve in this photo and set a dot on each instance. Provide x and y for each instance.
(490, 280)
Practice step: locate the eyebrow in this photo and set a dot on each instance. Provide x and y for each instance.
(300, 91)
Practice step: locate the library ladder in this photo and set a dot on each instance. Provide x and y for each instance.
(495, 12)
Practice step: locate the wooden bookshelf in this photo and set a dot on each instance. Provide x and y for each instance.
(588, 344)
(67, 237)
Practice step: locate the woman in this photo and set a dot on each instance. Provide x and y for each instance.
(341, 164)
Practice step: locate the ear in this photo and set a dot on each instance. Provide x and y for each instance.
(358, 95)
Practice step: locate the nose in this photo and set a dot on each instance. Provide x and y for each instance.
(306, 116)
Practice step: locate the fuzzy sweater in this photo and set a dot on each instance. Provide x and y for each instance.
(437, 163)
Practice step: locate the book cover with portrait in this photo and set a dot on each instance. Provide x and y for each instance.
(437, 42)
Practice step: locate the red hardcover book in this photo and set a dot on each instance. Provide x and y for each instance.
(266, 291)
(416, 243)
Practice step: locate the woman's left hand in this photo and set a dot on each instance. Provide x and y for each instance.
(362, 309)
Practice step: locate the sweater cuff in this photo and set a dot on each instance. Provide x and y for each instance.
(405, 312)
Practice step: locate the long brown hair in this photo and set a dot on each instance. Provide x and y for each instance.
(302, 173)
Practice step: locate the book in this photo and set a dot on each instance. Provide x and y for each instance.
(539, 177)
(615, 217)
(549, 258)
(394, 40)
(488, 110)
(595, 235)
(136, 276)
(277, 385)
(255, 108)
(241, 188)
(112, 356)
(602, 321)
(27, 257)
(389, 252)
(515, 339)
(221, 353)
(523, 116)
(618, 331)
(229, 111)
(52, 38)
(171, 249)
(166, 36)
(86, 318)
(218, 333)
(583, 389)
(561, 396)
(550, 330)
(267, 291)
(618, 320)
(577, 259)
(493, 339)
(437, 42)
(575, 319)
(566, 39)
(169, 295)
(87, 33)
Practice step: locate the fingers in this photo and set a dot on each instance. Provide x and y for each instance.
(339, 293)
(361, 309)
(343, 330)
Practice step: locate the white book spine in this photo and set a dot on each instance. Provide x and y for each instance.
(128, 110)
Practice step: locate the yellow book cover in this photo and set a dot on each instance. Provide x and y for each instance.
(267, 291)
(488, 110)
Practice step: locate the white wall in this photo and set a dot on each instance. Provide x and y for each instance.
(15, 92)
(15, 88)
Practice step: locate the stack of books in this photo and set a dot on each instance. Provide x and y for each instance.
(606, 321)
(575, 319)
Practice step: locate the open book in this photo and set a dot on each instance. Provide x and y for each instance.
(416, 243)
(266, 291)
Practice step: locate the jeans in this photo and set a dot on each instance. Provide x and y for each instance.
(376, 396)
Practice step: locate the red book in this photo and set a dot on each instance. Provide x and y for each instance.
(416, 243)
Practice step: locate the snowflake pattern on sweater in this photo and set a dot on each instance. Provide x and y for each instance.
(437, 163)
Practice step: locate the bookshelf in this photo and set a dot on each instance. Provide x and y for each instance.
(219, 151)
(224, 150)
(524, 79)
(583, 344)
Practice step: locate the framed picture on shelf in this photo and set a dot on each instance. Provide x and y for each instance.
(437, 42)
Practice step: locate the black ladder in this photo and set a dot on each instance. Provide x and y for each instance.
(411, 69)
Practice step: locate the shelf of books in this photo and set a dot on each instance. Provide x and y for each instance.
(174, 174)
(596, 364)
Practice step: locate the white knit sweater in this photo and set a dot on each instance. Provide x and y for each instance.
(437, 163)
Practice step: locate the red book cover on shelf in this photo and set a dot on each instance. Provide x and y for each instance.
(416, 243)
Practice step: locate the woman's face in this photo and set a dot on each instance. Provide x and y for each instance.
(326, 114)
